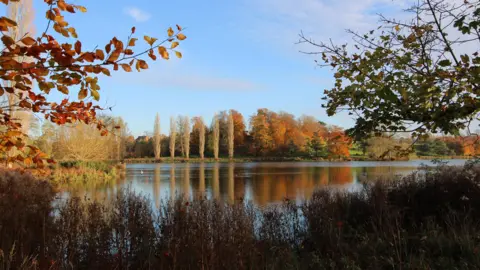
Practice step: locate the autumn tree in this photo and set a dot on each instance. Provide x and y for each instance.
(216, 136)
(157, 137)
(231, 135)
(239, 128)
(121, 135)
(186, 136)
(260, 132)
(81, 141)
(338, 142)
(419, 75)
(173, 135)
(199, 129)
(33, 67)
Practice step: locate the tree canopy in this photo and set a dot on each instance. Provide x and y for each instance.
(30, 68)
(420, 76)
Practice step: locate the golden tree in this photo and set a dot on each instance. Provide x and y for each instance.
(173, 135)
(231, 134)
(216, 136)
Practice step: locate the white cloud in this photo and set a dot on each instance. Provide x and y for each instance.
(279, 22)
(137, 14)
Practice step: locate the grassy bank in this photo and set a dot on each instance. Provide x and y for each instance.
(74, 174)
(422, 222)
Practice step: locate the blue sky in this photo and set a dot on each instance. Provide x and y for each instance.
(238, 55)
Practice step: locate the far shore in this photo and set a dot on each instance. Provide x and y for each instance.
(276, 159)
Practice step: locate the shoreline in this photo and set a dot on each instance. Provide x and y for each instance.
(275, 159)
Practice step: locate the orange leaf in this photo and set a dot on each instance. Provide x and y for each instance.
(81, 8)
(62, 5)
(178, 54)
(163, 52)
(170, 32)
(106, 71)
(50, 15)
(174, 45)
(126, 67)
(147, 39)
(181, 36)
(131, 42)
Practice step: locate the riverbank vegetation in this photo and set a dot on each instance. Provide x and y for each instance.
(427, 220)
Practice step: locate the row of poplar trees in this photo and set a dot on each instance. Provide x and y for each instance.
(184, 131)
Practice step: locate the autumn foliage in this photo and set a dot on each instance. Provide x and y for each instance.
(33, 67)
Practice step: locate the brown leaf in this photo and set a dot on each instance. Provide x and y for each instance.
(143, 64)
(78, 47)
(70, 9)
(113, 57)
(174, 45)
(133, 30)
(178, 54)
(29, 41)
(99, 54)
(63, 89)
(8, 41)
(82, 94)
(108, 47)
(179, 27)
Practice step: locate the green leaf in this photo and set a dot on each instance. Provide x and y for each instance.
(445, 63)
(95, 94)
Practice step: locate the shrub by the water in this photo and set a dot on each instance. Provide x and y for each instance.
(428, 220)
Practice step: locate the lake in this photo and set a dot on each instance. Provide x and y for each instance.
(262, 182)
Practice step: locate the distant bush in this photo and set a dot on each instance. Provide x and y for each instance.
(429, 220)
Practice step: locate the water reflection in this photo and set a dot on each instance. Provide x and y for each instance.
(261, 183)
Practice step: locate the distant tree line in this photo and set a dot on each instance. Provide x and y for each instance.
(269, 134)
(391, 147)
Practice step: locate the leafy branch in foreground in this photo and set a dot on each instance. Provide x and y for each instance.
(419, 76)
(28, 63)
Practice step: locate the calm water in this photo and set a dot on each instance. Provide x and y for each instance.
(262, 183)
